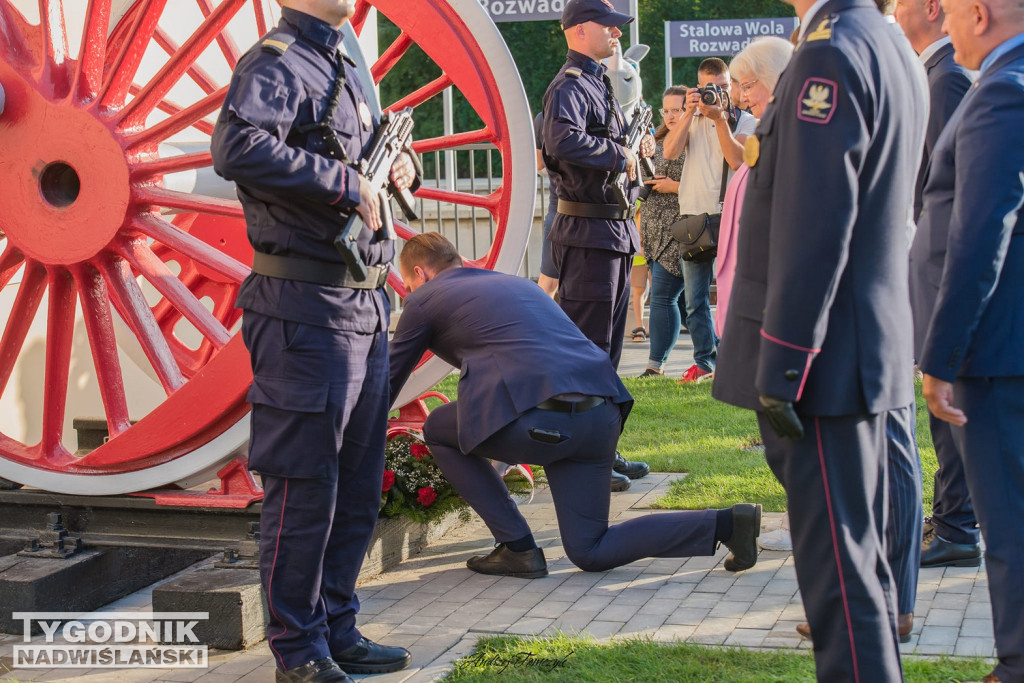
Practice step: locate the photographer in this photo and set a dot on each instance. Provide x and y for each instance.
(711, 132)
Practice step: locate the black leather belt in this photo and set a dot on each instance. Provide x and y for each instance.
(316, 272)
(581, 406)
(584, 210)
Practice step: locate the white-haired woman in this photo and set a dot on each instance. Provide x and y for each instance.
(757, 69)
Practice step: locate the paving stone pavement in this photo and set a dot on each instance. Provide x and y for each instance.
(437, 608)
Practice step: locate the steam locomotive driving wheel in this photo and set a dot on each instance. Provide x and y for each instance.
(121, 253)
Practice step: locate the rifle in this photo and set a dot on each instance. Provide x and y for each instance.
(638, 128)
(393, 136)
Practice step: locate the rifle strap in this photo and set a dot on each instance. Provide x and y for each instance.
(330, 138)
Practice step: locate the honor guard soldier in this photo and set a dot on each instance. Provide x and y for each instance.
(294, 118)
(819, 335)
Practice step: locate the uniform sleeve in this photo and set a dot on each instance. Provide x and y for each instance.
(566, 137)
(248, 143)
(986, 208)
(824, 133)
(411, 341)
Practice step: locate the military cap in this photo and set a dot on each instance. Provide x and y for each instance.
(599, 11)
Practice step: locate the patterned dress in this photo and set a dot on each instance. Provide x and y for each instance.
(659, 211)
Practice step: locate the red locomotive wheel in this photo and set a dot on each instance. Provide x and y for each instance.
(121, 254)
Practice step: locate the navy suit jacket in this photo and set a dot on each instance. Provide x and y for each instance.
(513, 345)
(973, 195)
(819, 312)
(947, 84)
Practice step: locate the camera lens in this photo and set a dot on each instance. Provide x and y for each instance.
(709, 97)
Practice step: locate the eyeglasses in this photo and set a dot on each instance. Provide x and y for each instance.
(748, 86)
(673, 112)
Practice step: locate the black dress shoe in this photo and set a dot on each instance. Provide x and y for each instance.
(620, 482)
(368, 657)
(746, 527)
(632, 469)
(526, 564)
(318, 671)
(937, 552)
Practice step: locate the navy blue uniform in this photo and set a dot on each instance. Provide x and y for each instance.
(952, 512)
(973, 196)
(319, 353)
(819, 314)
(582, 149)
(515, 349)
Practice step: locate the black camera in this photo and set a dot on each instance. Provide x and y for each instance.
(713, 95)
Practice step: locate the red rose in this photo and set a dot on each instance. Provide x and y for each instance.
(418, 450)
(389, 481)
(427, 496)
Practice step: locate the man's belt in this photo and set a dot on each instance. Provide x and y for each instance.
(581, 406)
(585, 210)
(316, 272)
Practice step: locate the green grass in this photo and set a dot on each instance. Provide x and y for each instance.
(574, 659)
(680, 428)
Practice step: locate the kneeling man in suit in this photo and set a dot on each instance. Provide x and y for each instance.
(533, 389)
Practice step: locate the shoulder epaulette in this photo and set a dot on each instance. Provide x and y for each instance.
(823, 31)
(277, 43)
(573, 72)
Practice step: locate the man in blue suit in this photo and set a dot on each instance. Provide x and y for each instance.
(533, 389)
(951, 534)
(820, 339)
(972, 361)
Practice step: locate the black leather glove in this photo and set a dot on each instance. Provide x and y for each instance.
(782, 417)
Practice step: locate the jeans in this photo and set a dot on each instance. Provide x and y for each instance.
(667, 311)
(697, 278)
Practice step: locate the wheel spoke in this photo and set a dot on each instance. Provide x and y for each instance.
(10, 262)
(60, 329)
(94, 50)
(488, 201)
(404, 231)
(12, 40)
(123, 69)
(471, 137)
(261, 19)
(175, 164)
(199, 251)
(171, 199)
(152, 93)
(224, 42)
(26, 303)
(55, 45)
(202, 125)
(195, 72)
(362, 10)
(179, 121)
(153, 269)
(130, 303)
(92, 293)
(418, 97)
(390, 56)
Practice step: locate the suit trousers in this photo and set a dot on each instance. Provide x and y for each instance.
(903, 531)
(992, 444)
(578, 469)
(315, 527)
(835, 481)
(593, 290)
(952, 511)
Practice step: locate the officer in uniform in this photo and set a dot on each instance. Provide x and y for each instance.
(819, 336)
(592, 238)
(294, 116)
(532, 389)
(972, 361)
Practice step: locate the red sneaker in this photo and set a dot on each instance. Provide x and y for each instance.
(695, 374)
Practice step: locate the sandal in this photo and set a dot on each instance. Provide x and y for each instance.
(639, 334)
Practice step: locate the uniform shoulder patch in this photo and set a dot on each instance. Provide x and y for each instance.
(277, 43)
(573, 72)
(817, 102)
(823, 31)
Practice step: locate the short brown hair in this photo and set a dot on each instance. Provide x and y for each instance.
(429, 249)
(713, 66)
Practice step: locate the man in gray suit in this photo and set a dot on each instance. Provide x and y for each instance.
(972, 361)
(951, 536)
(533, 389)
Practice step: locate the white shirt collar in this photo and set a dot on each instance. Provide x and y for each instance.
(808, 17)
(930, 51)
